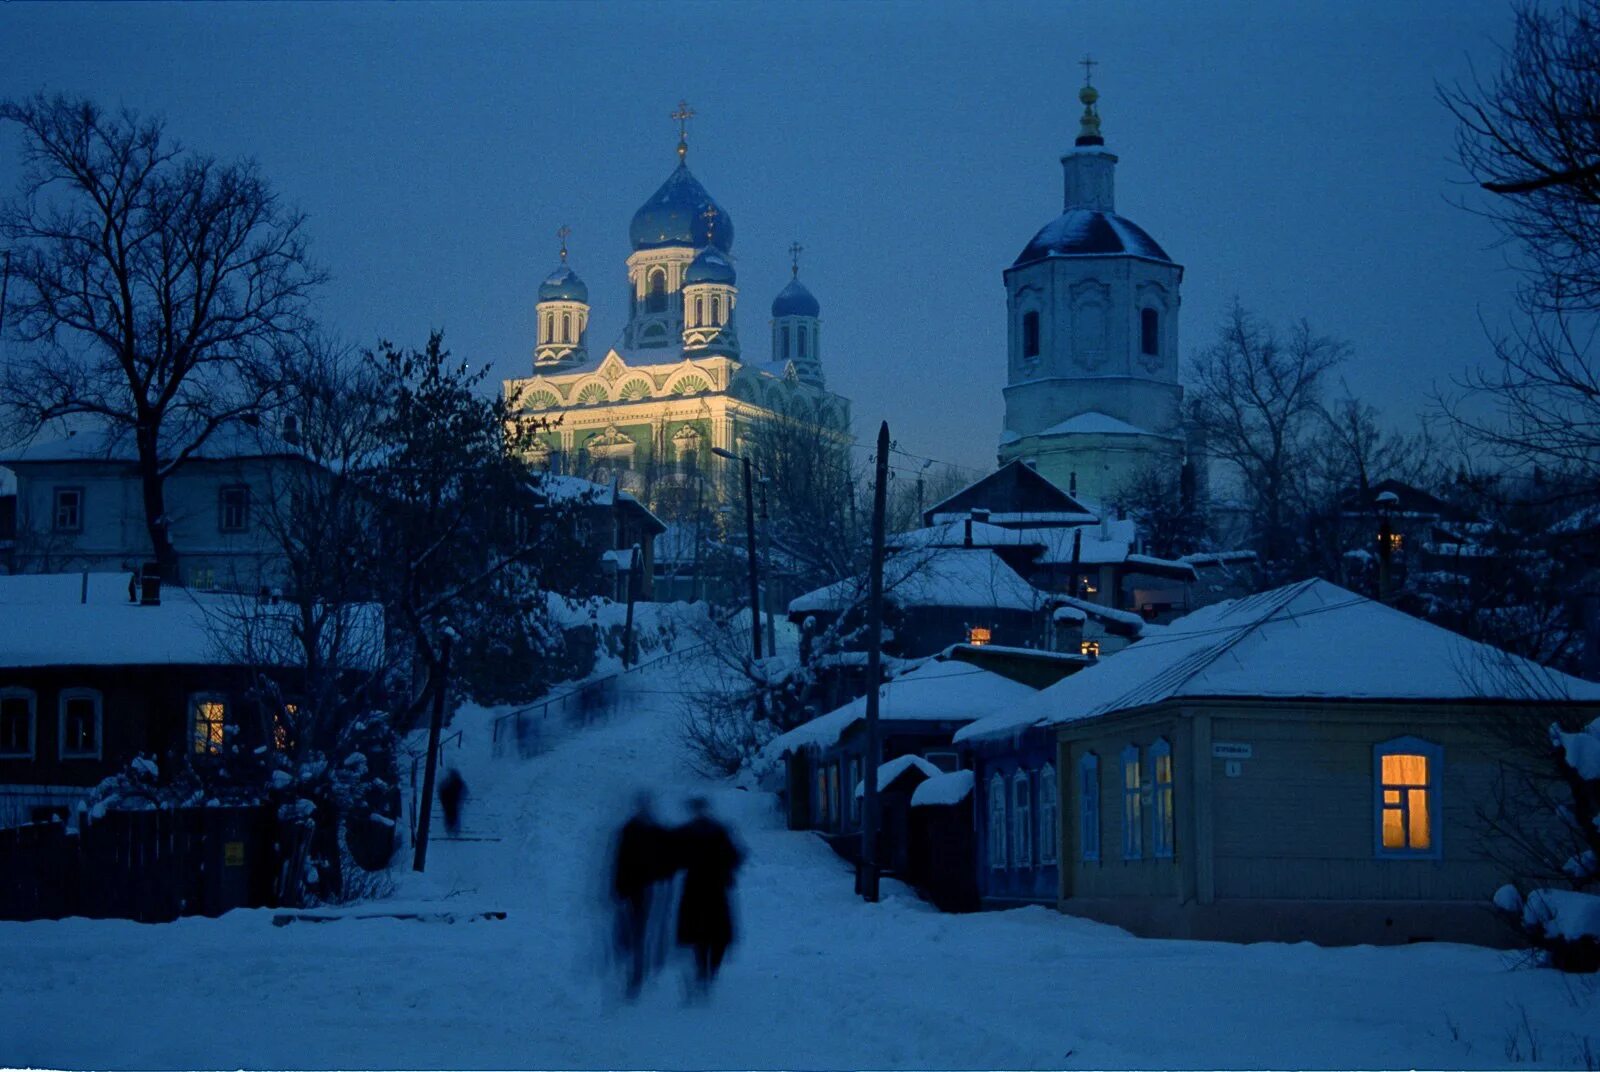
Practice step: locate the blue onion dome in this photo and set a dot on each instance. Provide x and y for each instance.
(795, 300)
(676, 215)
(563, 284)
(709, 266)
(1084, 232)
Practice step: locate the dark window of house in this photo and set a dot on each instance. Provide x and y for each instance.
(1150, 331)
(68, 516)
(1030, 334)
(16, 723)
(655, 298)
(234, 508)
(80, 723)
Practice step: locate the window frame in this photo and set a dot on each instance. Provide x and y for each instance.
(56, 491)
(1150, 331)
(1022, 819)
(15, 692)
(1049, 853)
(1163, 828)
(222, 508)
(195, 700)
(1132, 804)
(1031, 343)
(655, 297)
(80, 693)
(1434, 755)
(998, 822)
(1089, 807)
(800, 337)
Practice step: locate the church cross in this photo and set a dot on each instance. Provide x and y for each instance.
(795, 249)
(1089, 63)
(682, 117)
(562, 234)
(710, 215)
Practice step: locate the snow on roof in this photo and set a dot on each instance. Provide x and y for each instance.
(234, 439)
(893, 769)
(1310, 640)
(936, 691)
(941, 577)
(1124, 618)
(954, 532)
(1094, 424)
(940, 789)
(1218, 558)
(45, 621)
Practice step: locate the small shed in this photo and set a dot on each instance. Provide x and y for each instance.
(940, 834)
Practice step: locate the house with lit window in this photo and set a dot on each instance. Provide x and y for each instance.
(935, 597)
(1302, 764)
(919, 710)
(96, 670)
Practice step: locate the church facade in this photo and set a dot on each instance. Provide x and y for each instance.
(1092, 397)
(679, 383)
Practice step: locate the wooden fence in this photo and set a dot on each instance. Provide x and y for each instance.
(150, 866)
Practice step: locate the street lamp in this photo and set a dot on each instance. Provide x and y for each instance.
(750, 548)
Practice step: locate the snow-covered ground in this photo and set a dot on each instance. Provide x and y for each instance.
(819, 980)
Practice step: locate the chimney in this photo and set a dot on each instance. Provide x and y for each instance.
(981, 516)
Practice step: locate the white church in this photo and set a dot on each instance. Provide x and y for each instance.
(1092, 395)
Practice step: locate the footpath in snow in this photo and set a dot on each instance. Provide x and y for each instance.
(819, 980)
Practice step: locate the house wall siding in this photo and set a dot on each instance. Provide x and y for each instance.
(1111, 875)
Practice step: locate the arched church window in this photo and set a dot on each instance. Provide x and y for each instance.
(566, 327)
(1030, 333)
(655, 298)
(1150, 331)
(783, 334)
(801, 341)
(699, 312)
(716, 311)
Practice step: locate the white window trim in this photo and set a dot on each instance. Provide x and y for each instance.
(1050, 808)
(13, 693)
(1163, 826)
(1411, 746)
(99, 722)
(195, 700)
(1022, 818)
(1089, 807)
(1132, 805)
(997, 823)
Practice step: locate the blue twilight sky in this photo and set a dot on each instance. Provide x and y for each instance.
(1292, 154)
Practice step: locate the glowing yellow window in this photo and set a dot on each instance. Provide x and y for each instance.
(1090, 647)
(210, 716)
(1406, 811)
(282, 727)
(979, 635)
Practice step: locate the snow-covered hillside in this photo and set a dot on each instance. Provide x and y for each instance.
(819, 980)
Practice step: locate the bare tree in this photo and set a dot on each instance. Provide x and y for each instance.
(154, 289)
(803, 456)
(1257, 397)
(1531, 138)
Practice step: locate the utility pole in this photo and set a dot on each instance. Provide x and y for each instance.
(635, 571)
(419, 861)
(766, 553)
(867, 875)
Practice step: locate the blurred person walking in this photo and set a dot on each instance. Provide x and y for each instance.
(705, 917)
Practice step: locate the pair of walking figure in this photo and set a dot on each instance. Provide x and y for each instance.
(649, 857)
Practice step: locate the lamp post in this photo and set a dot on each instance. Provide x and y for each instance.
(750, 548)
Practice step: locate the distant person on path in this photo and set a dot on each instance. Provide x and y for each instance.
(645, 859)
(705, 918)
(452, 792)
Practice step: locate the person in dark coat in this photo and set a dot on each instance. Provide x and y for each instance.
(644, 860)
(452, 791)
(705, 917)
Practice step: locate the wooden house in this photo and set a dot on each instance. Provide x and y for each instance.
(93, 674)
(1303, 764)
(918, 712)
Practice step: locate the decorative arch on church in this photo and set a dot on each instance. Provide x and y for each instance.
(635, 389)
(1154, 308)
(1027, 310)
(690, 385)
(593, 394)
(655, 291)
(541, 400)
(1091, 305)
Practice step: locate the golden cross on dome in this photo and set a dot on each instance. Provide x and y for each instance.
(710, 215)
(795, 249)
(682, 116)
(1089, 63)
(562, 234)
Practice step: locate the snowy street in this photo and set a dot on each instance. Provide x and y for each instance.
(819, 979)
